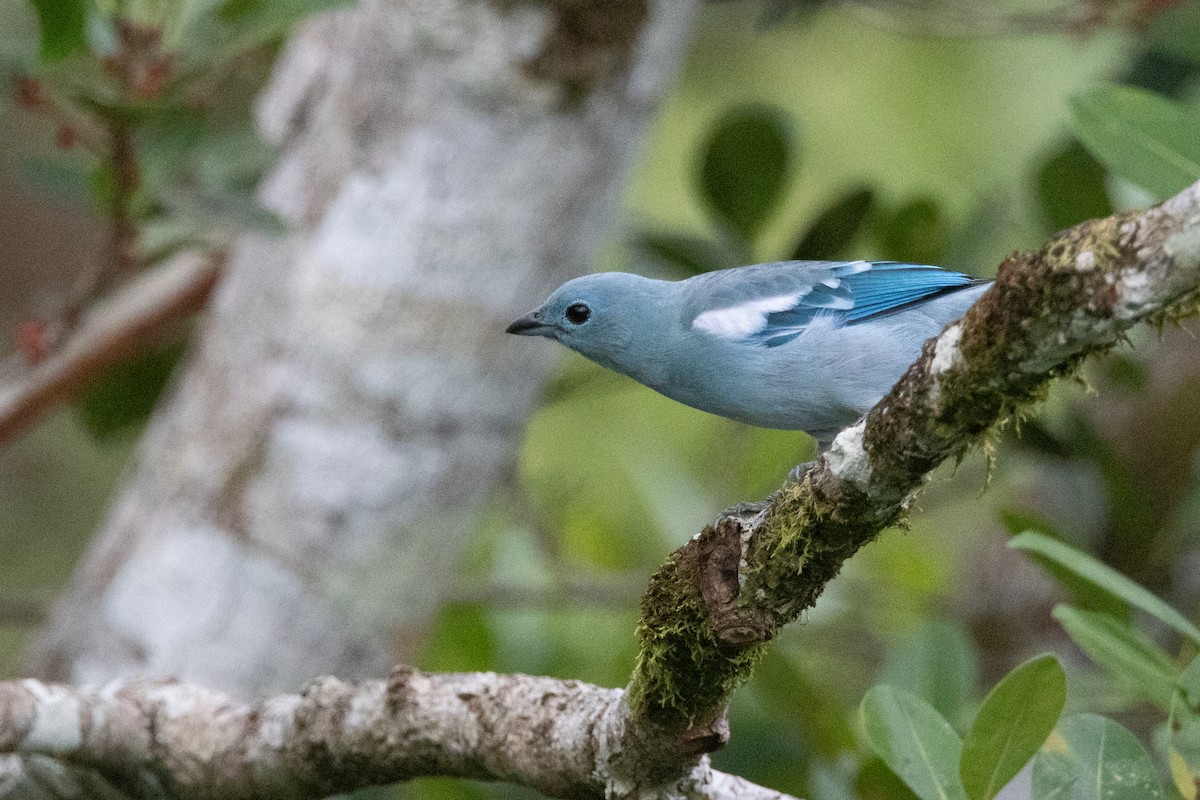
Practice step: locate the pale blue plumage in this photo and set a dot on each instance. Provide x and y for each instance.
(805, 345)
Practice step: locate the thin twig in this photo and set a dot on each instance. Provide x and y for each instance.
(123, 261)
(119, 327)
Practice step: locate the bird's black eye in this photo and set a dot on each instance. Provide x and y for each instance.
(578, 314)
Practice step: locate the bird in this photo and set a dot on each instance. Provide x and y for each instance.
(793, 345)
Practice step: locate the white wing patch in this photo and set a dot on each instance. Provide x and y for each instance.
(745, 319)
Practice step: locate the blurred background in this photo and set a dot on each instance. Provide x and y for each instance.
(935, 133)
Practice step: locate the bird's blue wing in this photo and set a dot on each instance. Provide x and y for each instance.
(891, 286)
(772, 304)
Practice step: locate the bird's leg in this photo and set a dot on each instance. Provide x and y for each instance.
(747, 511)
(797, 473)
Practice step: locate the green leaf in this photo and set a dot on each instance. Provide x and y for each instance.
(1070, 187)
(1189, 682)
(1088, 757)
(917, 232)
(1185, 779)
(915, 741)
(1015, 719)
(240, 9)
(1016, 520)
(64, 27)
(689, 255)
(876, 780)
(1147, 139)
(1183, 751)
(233, 159)
(831, 233)
(185, 16)
(1176, 31)
(745, 166)
(257, 22)
(1106, 578)
(1083, 593)
(125, 396)
(937, 664)
(1125, 653)
(213, 33)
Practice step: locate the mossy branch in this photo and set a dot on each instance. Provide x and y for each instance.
(709, 612)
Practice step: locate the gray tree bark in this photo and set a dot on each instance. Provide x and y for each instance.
(298, 506)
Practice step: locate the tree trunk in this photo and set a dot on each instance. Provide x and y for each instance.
(299, 504)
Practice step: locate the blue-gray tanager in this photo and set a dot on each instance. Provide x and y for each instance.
(807, 345)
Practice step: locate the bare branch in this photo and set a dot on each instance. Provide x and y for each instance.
(118, 328)
(155, 738)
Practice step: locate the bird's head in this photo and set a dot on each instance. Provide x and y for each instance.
(597, 316)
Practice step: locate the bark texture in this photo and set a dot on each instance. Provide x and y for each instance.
(298, 506)
(149, 739)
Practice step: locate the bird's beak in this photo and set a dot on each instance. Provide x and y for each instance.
(530, 325)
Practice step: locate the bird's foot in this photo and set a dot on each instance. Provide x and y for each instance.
(750, 510)
(745, 511)
(797, 473)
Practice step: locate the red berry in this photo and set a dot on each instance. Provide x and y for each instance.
(154, 78)
(66, 136)
(29, 92)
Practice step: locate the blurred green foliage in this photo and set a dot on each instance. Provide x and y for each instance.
(745, 166)
(1093, 757)
(743, 169)
(833, 230)
(127, 395)
(1080, 756)
(148, 104)
(1140, 136)
(820, 136)
(64, 27)
(1070, 187)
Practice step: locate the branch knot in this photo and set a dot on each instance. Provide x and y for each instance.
(721, 557)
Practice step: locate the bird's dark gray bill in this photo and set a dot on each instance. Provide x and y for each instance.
(528, 325)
